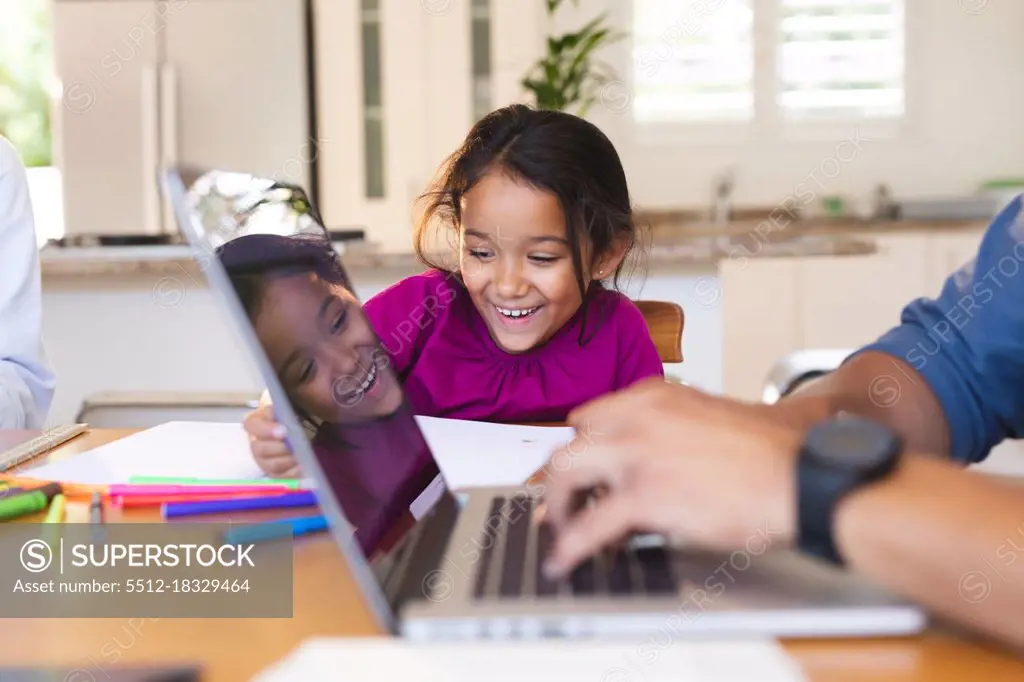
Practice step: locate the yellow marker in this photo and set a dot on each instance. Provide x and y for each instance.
(56, 513)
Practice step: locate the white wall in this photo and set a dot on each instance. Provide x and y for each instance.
(963, 123)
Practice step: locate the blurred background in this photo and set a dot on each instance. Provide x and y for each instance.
(804, 167)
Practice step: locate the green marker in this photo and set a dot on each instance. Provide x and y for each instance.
(177, 480)
(29, 501)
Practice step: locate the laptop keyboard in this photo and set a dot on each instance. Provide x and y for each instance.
(514, 547)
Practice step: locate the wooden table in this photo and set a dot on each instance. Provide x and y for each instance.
(326, 603)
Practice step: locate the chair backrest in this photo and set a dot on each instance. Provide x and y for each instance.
(665, 322)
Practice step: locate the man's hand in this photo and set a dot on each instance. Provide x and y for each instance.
(699, 468)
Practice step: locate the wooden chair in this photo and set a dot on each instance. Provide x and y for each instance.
(665, 322)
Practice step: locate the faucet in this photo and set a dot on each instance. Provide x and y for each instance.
(721, 207)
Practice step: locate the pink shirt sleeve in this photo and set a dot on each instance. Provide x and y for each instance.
(406, 313)
(638, 356)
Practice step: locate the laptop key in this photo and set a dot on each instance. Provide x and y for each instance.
(545, 540)
(656, 570)
(584, 578)
(487, 546)
(620, 578)
(520, 510)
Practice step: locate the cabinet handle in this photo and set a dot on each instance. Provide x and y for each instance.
(150, 151)
(169, 129)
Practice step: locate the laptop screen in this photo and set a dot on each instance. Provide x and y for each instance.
(323, 351)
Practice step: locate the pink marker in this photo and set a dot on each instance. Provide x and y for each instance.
(130, 489)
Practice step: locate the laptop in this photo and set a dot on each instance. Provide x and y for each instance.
(435, 563)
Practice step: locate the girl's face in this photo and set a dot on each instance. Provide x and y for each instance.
(325, 352)
(517, 263)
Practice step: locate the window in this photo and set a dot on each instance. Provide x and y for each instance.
(841, 58)
(833, 60)
(26, 80)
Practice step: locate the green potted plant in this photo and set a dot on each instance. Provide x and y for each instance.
(568, 77)
(24, 79)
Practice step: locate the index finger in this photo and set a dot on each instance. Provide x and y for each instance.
(596, 466)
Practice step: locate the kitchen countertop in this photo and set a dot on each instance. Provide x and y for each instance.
(677, 242)
(670, 249)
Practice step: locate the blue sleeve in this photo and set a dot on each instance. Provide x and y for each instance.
(968, 344)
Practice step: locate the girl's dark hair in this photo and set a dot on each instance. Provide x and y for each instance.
(552, 151)
(251, 261)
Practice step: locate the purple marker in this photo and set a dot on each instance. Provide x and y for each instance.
(287, 500)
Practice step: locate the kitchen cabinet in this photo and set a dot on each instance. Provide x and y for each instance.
(760, 320)
(775, 306)
(850, 300)
(950, 253)
(397, 91)
(149, 83)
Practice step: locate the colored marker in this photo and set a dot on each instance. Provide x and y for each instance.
(275, 530)
(120, 489)
(174, 480)
(300, 499)
(96, 508)
(11, 490)
(56, 512)
(160, 500)
(28, 501)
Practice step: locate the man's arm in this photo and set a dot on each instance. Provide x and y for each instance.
(705, 470)
(26, 382)
(950, 377)
(948, 539)
(879, 386)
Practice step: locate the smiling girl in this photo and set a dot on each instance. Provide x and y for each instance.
(521, 329)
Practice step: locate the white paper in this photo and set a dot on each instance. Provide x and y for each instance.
(475, 454)
(179, 449)
(639, 660)
(468, 453)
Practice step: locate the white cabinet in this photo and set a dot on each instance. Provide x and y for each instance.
(775, 306)
(950, 253)
(106, 131)
(760, 320)
(848, 301)
(149, 83)
(407, 71)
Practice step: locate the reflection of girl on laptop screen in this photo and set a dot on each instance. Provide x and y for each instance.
(336, 375)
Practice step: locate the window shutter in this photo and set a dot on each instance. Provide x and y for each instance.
(840, 59)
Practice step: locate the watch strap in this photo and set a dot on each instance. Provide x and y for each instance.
(819, 489)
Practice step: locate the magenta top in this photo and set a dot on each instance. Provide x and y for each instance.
(450, 366)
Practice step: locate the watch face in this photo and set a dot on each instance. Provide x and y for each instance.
(852, 441)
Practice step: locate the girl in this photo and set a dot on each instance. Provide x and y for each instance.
(334, 372)
(521, 328)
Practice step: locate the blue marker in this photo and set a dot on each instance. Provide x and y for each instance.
(299, 499)
(275, 530)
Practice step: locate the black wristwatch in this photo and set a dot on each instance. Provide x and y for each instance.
(838, 456)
